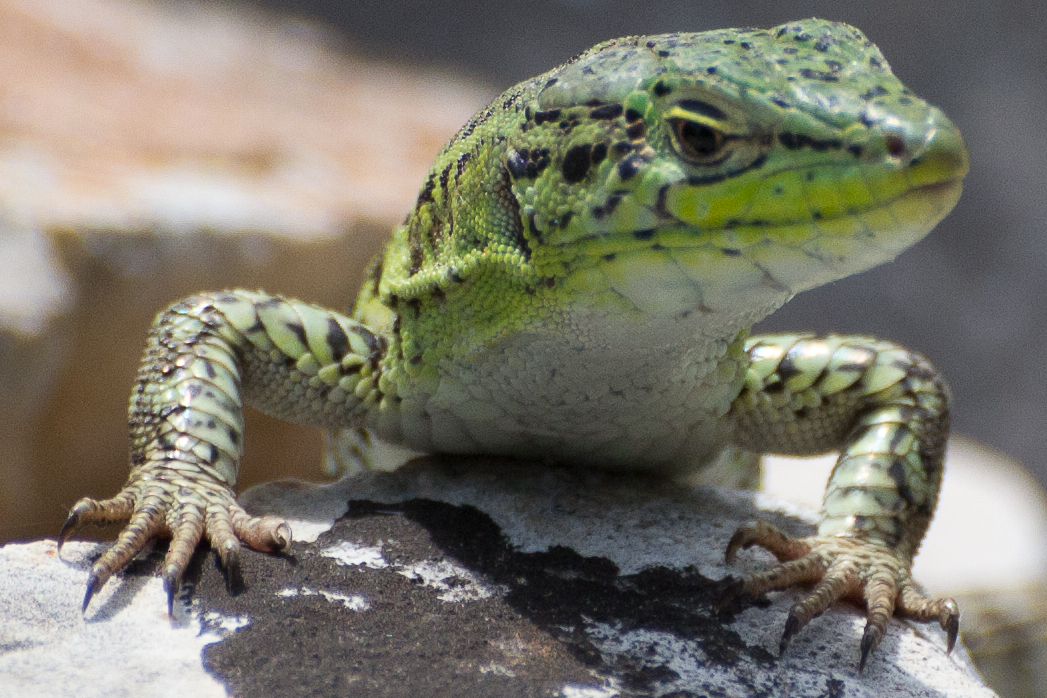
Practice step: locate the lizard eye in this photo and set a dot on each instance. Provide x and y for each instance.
(700, 143)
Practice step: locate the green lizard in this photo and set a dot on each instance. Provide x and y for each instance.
(576, 282)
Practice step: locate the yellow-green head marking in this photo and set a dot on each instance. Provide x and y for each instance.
(715, 173)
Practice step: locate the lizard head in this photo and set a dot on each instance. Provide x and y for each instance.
(726, 171)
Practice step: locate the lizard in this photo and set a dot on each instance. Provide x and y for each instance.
(577, 282)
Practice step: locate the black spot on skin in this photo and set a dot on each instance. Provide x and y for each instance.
(664, 54)
(659, 205)
(780, 102)
(790, 51)
(622, 147)
(234, 436)
(661, 89)
(542, 117)
(575, 164)
(820, 75)
(632, 115)
(636, 131)
(599, 153)
(873, 92)
(426, 195)
(905, 101)
(787, 369)
(711, 70)
(463, 159)
(875, 63)
(628, 168)
(644, 234)
(610, 257)
(824, 43)
(897, 474)
(374, 272)
(795, 141)
(855, 150)
(255, 328)
(802, 37)
(369, 339)
(551, 81)
(517, 165)
(704, 108)
(298, 330)
(728, 42)
(606, 111)
(336, 339)
(731, 252)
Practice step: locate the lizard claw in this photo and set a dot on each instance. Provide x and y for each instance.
(183, 510)
(94, 583)
(842, 567)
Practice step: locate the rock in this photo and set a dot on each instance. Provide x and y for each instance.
(152, 150)
(477, 577)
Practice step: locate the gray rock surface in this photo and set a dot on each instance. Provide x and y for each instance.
(473, 578)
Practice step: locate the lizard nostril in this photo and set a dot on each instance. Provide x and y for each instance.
(895, 145)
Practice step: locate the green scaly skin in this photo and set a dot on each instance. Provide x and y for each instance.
(577, 281)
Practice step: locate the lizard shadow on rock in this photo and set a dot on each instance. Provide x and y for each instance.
(562, 592)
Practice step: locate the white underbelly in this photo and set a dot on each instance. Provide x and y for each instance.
(551, 398)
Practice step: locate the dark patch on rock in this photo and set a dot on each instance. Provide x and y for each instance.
(409, 642)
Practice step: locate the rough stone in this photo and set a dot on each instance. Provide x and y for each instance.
(468, 578)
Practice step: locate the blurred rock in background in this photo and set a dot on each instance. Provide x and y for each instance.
(152, 150)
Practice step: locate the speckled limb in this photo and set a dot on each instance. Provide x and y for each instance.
(887, 411)
(207, 356)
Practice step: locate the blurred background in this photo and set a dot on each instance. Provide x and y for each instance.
(152, 149)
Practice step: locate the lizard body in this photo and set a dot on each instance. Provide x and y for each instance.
(576, 282)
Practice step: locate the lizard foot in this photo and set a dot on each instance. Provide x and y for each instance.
(184, 510)
(841, 567)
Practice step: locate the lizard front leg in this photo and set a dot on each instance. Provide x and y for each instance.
(206, 357)
(887, 411)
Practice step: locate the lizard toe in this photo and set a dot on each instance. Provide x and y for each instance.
(265, 533)
(87, 510)
(842, 567)
(914, 605)
(763, 534)
(145, 523)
